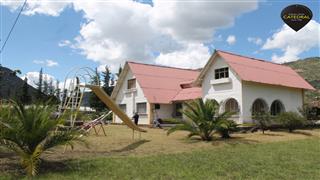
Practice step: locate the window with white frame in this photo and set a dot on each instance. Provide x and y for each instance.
(142, 108)
(221, 73)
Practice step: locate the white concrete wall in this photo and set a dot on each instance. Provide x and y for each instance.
(222, 92)
(165, 111)
(131, 99)
(291, 98)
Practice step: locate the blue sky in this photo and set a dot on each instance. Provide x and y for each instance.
(39, 37)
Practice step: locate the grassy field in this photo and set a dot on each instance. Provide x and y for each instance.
(276, 155)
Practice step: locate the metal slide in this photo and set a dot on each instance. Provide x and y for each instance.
(103, 96)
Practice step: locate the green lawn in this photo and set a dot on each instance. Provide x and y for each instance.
(298, 159)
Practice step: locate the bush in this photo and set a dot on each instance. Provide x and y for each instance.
(309, 112)
(263, 120)
(291, 120)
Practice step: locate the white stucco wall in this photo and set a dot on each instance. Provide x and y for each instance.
(131, 99)
(224, 91)
(291, 98)
(165, 111)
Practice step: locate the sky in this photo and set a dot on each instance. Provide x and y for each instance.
(61, 35)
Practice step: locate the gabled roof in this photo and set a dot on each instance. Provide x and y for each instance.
(160, 84)
(254, 70)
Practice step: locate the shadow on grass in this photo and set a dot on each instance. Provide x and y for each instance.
(302, 133)
(271, 134)
(49, 166)
(131, 146)
(234, 141)
(220, 141)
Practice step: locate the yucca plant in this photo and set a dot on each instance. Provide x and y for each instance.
(203, 119)
(225, 126)
(30, 131)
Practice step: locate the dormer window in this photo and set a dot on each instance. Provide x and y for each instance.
(221, 73)
(131, 83)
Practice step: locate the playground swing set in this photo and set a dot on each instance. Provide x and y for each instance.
(77, 82)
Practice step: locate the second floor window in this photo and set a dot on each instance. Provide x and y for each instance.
(131, 83)
(221, 73)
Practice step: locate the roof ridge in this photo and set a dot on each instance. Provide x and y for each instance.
(163, 66)
(255, 59)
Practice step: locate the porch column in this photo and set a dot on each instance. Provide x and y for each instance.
(150, 113)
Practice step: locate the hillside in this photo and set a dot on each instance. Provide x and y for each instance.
(309, 68)
(11, 85)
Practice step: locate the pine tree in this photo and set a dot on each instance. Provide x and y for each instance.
(119, 71)
(64, 95)
(108, 81)
(39, 85)
(45, 85)
(58, 90)
(50, 88)
(94, 101)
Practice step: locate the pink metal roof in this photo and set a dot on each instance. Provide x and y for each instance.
(254, 70)
(188, 94)
(161, 84)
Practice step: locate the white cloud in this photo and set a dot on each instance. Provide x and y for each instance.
(231, 39)
(33, 7)
(192, 56)
(33, 78)
(196, 21)
(51, 63)
(116, 31)
(64, 43)
(48, 62)
(255, 40)
(292, 43)
(38, 62)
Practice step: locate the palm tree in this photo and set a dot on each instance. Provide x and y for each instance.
(204, 120)
(30, 131)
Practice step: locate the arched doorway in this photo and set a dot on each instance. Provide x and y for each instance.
(276, 108)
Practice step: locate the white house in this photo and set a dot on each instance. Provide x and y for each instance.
(240, 84)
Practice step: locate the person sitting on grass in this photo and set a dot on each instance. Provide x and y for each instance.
(157, 123)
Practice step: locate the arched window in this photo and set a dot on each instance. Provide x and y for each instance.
(276, 108)
(231, 105)
(259, 106)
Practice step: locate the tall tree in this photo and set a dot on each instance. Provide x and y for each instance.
(107, 81)
(94, 101)
(119, 71)
(64, 95)
(58, 90)
(39, 85)
(51, 87)
(45, 85)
